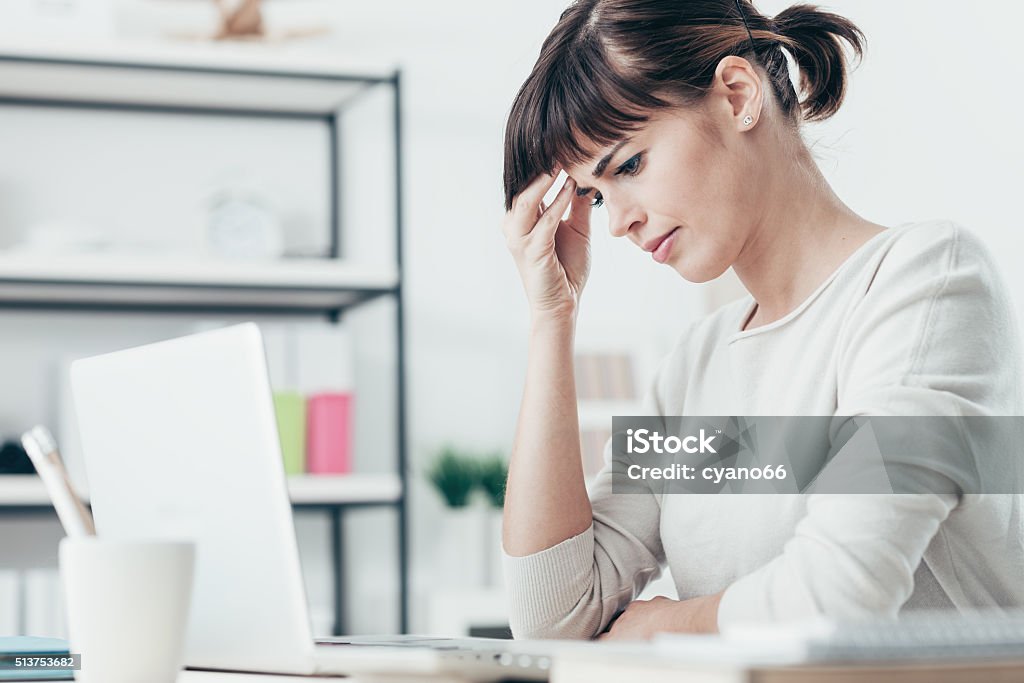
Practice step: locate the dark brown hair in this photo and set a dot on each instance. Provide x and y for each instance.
(608, 63)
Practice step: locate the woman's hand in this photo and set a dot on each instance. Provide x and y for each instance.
(552, 255)
(644, 618)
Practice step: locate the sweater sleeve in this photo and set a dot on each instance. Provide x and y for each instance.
(920, 342)
(575, 588)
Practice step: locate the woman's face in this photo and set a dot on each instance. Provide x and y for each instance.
(676, 189)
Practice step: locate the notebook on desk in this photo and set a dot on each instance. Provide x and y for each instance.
(180, 442)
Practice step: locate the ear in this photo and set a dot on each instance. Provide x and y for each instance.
(739, 86)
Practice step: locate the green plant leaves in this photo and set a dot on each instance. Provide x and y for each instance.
(457, 474)
(492, 474)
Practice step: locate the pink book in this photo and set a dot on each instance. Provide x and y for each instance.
(329, 433)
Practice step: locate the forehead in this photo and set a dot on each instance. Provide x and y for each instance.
(595, 151)
(673, 127)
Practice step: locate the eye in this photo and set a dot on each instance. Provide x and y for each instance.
(631, 167)
(584, 191)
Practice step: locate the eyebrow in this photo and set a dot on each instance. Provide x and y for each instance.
(603, 164)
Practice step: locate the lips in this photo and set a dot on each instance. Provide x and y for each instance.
(661, 246)
(651, 245)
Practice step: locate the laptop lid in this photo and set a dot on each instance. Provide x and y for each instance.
(180, 442)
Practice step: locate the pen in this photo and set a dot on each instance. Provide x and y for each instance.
(42, 450)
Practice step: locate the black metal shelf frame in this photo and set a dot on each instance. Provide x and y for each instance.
(332, 120)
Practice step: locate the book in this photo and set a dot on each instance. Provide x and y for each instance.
(32, 645)
(290, 408)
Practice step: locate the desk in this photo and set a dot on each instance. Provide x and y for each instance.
(602, 670)
(222, 677)
(225, 677)
(189, 676)
(992, 672)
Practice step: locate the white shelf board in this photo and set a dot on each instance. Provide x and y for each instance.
(312, 489)
(258, 78)
(126, 280)
(308, 489)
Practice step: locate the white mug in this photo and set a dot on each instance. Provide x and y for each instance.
(127, 605)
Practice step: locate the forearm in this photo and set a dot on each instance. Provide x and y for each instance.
(546, 498)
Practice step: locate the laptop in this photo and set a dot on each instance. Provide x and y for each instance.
(180, 442)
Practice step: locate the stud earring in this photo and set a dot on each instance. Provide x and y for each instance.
(747, 120)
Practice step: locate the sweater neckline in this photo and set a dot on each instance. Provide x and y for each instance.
(750, 305)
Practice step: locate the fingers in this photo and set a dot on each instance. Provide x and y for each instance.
(579, 214)
(527, 203)
(552, 216)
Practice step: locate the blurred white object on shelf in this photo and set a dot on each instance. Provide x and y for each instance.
(64, 236)
(242, 227)
(57, 18)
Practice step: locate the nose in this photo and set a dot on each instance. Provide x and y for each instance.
(622, 219)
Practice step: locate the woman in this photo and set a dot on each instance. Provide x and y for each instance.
(679, 116)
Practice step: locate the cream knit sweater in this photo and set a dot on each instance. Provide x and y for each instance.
(915, 322)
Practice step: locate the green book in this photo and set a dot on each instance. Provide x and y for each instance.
(290, 407)
(34, 647)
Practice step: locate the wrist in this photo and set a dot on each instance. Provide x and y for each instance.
(696, 615)
(709, 613)
(557, 321)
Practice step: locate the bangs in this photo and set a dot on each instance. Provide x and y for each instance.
(576, 96)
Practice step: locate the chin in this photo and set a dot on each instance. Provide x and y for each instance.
(698, 271)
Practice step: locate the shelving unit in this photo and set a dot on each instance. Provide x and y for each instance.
(212, 81)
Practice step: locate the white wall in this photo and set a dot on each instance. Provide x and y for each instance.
(930, 129)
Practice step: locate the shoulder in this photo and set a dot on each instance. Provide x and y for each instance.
(943, 270)
(933, 315)
(933, 251)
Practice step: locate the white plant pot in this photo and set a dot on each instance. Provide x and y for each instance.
(460, 560)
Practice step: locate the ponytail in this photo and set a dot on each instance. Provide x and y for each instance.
(814, 39)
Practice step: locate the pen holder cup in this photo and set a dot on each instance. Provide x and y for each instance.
(127, 607)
